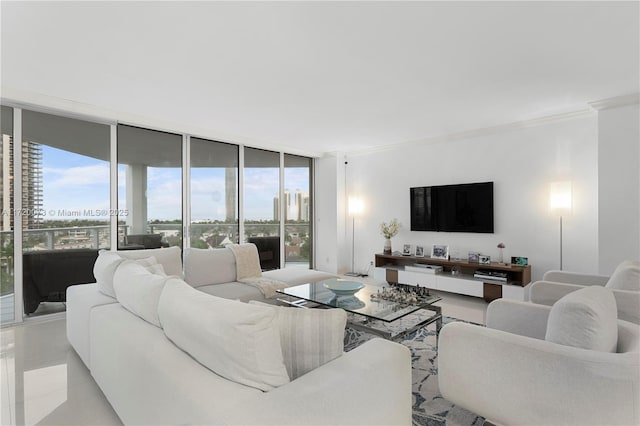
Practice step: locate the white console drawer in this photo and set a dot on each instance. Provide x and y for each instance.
(417, 278)
(380, 274)
(513, 292)
(460, 285)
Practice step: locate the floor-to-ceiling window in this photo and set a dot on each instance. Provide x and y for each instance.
(261, 204)
(214, 193)
(297, 229)
(149, 188)
(65, 202)
(6, 232)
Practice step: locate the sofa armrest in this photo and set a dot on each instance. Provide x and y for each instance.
(575, 278)
(511, 379)
(522, 318)
(548, 292)
(348, 389)
(628, 302)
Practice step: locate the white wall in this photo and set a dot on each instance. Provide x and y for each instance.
(521, 163)
(326, 211)
(618, 185)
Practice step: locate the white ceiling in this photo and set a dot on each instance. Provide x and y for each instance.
(314, 77)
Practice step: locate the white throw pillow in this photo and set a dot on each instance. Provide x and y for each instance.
(138, 290)
(626, 276)
(108, 261)
(309, 337)
(586, 318)
(103, 270)
(170, 258)
(151, 264)
(238, 341)
(205, 267)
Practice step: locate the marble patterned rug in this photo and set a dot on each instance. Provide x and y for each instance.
(429, 407)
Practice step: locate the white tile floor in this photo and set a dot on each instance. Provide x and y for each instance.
(45, 382)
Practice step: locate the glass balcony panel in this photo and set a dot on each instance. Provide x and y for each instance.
(297, 183)
(262, 204)
(214, 193)
(7, 300)
(65, 209)
(149, 188)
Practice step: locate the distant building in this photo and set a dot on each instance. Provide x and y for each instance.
(31, 184)
(298, 210)
(302, 206)
(231, 202)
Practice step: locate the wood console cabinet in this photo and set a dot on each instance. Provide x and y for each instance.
(391, 268)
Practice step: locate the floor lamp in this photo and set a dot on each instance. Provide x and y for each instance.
(355, 208)
(560, 203)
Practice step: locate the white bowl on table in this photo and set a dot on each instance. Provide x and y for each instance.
(343, 287)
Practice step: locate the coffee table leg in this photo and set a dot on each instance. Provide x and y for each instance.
(438, 309)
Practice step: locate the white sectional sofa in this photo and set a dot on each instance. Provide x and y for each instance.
(214, 272)
(150, 378)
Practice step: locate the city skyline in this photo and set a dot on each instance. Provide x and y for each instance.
(73, 182)
(297, 207)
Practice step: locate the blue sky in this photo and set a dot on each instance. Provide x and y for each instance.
(74, 182)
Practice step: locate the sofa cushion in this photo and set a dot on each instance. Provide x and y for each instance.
(151, 264)
(295, 276)
(309, 337)
(238, 341)
(586, 318)
(138, 290)
(104, 269)
(236, 291)
(209, 266)
(168, 257)
(625, 277)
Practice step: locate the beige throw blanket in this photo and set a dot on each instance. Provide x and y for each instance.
(248, 270)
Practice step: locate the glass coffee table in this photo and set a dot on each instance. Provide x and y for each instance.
(390, 319)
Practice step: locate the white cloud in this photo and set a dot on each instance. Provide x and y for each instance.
(76, 176)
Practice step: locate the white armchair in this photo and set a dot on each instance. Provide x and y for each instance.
(509, 374)
(575, 278)
(624, 282)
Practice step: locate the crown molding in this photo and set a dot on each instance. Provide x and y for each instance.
(616, 102)
(486, 131)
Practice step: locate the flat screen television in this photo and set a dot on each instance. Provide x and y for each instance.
(453, 208)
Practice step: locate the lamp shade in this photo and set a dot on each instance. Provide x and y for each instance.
(356, 206)
(560, 196)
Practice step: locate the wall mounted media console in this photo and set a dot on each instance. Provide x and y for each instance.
(402, 269)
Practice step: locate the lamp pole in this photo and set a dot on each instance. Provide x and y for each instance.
(353, 243)
(561, 242)
(353, 272)
(560, 200)
(355, 207)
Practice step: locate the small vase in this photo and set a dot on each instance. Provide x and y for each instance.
(501, 256)
(387, 246)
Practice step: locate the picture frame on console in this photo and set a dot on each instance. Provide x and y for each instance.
(473, 257)
(406, 250)
(440, 252)
(519, 260)
(419, 251)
